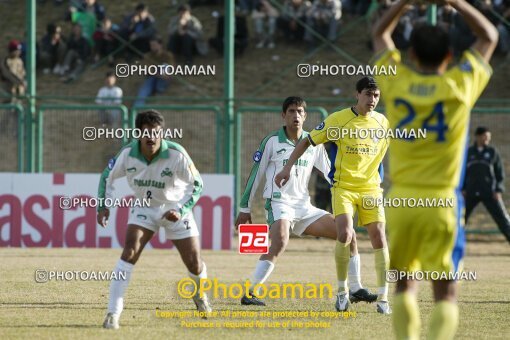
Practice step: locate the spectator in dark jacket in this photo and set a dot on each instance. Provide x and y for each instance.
(78, 51)
(139, 28)
(52, 49)
(185, 35)
(484, 180)
(240, 36)
(293, 10)
(106, 40)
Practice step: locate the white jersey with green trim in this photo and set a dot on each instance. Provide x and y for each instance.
(270, 158)
(170, 178)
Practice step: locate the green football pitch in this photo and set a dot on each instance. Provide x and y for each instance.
(61, 309)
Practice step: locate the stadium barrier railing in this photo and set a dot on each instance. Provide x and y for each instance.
(52, 154)
(20, 132)
(203, 145)
(87, 117)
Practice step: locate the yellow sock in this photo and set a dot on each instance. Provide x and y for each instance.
(342, 254)
(406, 316)
(382, 264)
(444, 321)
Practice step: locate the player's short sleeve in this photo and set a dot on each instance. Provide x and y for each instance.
(386, 58)
(473, 74)
(320, 135)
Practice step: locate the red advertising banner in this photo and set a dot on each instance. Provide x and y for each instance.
(31, 212)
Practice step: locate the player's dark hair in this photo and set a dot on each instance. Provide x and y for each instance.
(481, 130)
(150, 117)
(298, 101)
(431, 44)
(109, 74)
(368, 83)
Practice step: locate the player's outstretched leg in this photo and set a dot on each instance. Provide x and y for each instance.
(136, 239)
(189, 249)
(345, 232)
(382, 263)
(325, 227)
(279, 236)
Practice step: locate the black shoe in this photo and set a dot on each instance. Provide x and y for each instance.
(362, 295)
(255, 301)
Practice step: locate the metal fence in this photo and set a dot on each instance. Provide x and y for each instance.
(63, 144)
(12, 137)
(53, 140)
(201, 128)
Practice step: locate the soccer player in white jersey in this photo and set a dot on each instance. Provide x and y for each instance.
(289, 208)
(162, 172)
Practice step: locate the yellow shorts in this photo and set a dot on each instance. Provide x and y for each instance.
(349, 202)
(428, 233)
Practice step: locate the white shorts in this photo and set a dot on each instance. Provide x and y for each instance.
(300, 217)
(151, 218)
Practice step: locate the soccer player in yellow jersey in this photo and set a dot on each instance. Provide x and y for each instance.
(428, 95)
(355, 174)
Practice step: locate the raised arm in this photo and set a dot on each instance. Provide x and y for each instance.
(384, 27)
(485, 32)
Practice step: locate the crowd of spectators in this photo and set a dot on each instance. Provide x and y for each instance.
(312, 21)
(461, 36)
(95, 37)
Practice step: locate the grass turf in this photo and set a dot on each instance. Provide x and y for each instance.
(65, 309)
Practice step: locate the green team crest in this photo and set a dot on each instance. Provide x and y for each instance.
(166, 172)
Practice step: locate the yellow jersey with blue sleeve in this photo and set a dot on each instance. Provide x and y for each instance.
(356, 156)
(437, 104)
(429, 238)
